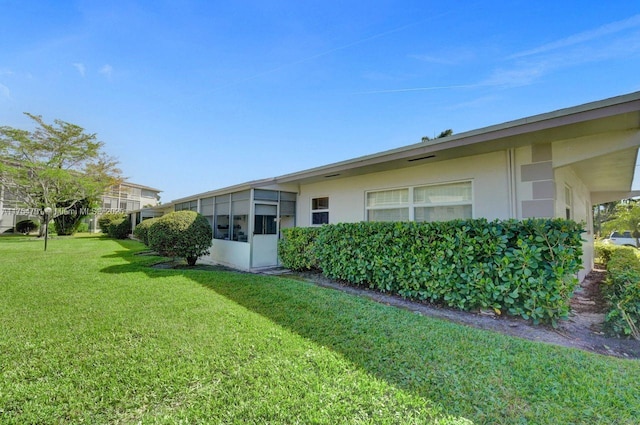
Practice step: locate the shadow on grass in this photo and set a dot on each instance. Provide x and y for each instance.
(373, 337)
(473, 373)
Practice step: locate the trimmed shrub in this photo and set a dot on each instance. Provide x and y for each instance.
(604, 251)
(184, 234)
(297, 248)
(106, 219)
(119, 229)
(523, 268)
(82, 227)
(623, 293)
(141, 232)
(27, 226)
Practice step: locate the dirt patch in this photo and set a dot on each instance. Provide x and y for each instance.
(583, 329)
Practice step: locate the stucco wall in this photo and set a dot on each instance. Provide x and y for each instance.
(488, 173)
(231, 253)
(581, 206)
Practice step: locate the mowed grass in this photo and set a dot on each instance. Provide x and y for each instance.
(89, 333)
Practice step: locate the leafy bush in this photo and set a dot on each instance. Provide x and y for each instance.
(107, 218)
(184, 234)
(296, 249)
(604, 251)
(119, 229)
(68, 222)
(142, 230)
(82, 227)
(623, 293)
(27, 226)
(523, 268)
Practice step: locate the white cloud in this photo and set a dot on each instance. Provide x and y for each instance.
(107, 71)
(81, 68)
(582, 37)
(522, 75)
(613, 41)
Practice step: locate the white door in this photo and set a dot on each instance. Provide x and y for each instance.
(265, 236)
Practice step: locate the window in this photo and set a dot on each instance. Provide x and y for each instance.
(442, 202)
(265, 195)
(223, 205)
(145, 193)
(388, 205)
(439, 202)
(240, 212)
(568, 201)
(320, 211)
(206, 209)
(265, 220)
(186, 206)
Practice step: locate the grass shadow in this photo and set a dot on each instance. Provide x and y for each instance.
(474, 373)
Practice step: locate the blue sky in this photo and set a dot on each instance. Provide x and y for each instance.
(192, 96)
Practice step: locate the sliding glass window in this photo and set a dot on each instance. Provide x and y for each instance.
(223, 206)
(439, 202)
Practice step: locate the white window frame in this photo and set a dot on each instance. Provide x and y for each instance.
(568, 202)
(399, 206)
(412, 204)
(319, 210)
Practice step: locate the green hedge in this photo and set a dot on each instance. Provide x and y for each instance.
(105, 220)
(522, 268)
(296, 250)
(184, 234)
(604, 250)
(623, 292)
(142, 230)
(119, 228)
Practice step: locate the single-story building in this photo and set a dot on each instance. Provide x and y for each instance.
(557, 164)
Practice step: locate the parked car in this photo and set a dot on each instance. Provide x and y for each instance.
(621, 238)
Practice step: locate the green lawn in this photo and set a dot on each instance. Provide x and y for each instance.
(90, 334)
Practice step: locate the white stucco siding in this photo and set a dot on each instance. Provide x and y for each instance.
(524, 190)
(231, 253)
(488, 173)
(566, 178)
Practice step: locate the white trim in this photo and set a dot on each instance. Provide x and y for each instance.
(312, 211)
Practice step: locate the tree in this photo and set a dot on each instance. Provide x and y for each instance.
(627, 217)
(444, 133)
(56, 165)
(603, 213)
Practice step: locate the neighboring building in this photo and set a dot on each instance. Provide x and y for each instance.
(125, 197)
(556, 164)
(129, 196)
(11, 211)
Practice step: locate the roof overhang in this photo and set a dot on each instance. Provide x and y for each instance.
(618, 114)
(611, 116)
